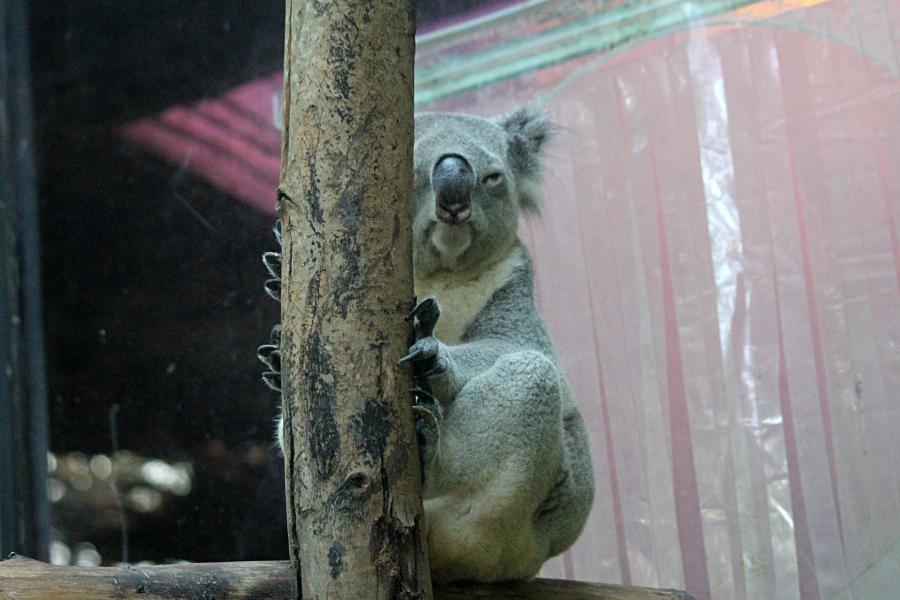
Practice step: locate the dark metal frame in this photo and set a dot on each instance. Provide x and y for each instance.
(24, 508)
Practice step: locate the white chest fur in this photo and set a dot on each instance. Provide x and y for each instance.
(462, 298)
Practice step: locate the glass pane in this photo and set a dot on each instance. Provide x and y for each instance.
(721, 209)
(158, 150)
(161, 432)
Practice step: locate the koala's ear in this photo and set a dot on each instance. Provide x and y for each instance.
(528, 129)
(528, 126)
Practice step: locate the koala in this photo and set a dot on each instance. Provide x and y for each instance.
(507, 476)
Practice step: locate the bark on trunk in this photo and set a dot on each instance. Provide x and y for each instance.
(25, 579)
(351, 461)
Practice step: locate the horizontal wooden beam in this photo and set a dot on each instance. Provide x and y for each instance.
(26, 579)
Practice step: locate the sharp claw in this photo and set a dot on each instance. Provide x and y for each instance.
(418, 392)
(273, 289)
(277, 231)
(424, 399)
(412, 356)
(272, 380)
(272, 260)
(270, 356)
(426, 415)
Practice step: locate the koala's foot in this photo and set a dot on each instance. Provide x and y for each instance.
(555, 497)
(426, 354)
(428, 425)
(427, 409)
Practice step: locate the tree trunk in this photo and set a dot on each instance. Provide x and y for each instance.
(351, 460)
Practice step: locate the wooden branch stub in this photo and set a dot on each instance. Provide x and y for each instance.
(26, 579)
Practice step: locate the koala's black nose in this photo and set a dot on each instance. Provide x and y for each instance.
(453, 180)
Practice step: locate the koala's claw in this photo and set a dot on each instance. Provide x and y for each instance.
(277, 231)
(423, 349)
(270, 355)
(425, 357)
(273, 289)
(428, 421)
(272, 379)
(424, 401)
(424, 317)
(272, 260)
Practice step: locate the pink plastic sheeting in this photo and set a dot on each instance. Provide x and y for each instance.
(719, 266)
(233, 141)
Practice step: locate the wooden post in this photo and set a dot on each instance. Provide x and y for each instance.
(351, 461)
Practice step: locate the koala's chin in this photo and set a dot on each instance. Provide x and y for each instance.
(451, 241)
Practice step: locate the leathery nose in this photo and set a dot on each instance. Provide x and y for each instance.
(452, 180)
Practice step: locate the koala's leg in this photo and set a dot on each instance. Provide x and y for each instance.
(563, 513)
(500, 454)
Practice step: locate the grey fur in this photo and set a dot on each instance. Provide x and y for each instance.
(508, 481)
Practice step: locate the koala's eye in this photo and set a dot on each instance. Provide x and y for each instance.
(493, 178)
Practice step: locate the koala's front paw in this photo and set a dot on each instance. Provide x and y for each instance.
(427, 354)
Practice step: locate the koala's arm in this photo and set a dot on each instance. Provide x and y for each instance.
(465, 361)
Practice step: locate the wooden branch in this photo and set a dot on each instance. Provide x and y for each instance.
(351, 459)
(25, 579)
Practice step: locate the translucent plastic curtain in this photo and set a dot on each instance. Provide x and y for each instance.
(718, 262)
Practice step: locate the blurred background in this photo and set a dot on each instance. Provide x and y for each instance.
(718, 262)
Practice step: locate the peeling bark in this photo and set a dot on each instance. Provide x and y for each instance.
(351, 462)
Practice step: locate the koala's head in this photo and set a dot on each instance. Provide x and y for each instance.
(472, 177)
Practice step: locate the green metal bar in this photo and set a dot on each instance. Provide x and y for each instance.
(599, 32)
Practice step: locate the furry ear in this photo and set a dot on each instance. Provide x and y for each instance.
(528, 129)
(528, 125)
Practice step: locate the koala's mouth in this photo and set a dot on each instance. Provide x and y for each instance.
(451, 216)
